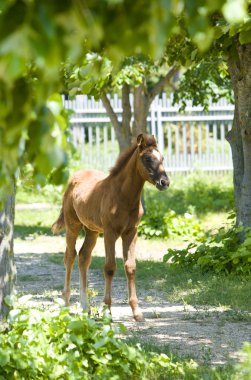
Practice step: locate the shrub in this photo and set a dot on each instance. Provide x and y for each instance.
(157, 224)
(175, 211)
(57, 345)
(203, 192)
(220, 251)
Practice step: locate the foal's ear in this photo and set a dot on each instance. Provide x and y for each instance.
(140, 139)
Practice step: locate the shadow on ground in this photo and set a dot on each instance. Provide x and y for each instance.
(208, 338)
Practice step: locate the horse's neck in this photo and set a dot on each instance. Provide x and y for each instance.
(131, 182)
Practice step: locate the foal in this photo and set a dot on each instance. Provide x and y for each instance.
(110, 205)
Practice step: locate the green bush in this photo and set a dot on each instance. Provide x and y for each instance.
(220, 251)
(175, 212)
(57, 345)
(156, 224)
(199, 191)
(208, 193)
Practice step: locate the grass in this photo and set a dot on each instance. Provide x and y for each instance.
(34, 222)
(32, 194)
(27, 278)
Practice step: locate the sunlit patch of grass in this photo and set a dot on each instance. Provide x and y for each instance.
(27, 278)
(56, 258)
(33, 222)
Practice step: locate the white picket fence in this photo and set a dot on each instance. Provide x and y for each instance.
(192, 140)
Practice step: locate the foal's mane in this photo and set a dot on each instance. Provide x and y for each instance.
(122, 160)
(147, 141)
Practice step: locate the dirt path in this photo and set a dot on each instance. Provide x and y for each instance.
(203, 333)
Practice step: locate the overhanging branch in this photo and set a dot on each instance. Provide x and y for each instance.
(110, 112)
(163, 82)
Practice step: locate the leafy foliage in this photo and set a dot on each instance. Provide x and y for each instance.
(40, 37)
(157, 22)
(57, 345)
(198, 192)
(243, 369)
(169, 224)
(221, 251)
(205, 81)
(33, 120)
(176, 211)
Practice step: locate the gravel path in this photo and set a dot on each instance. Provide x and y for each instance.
(203, 334)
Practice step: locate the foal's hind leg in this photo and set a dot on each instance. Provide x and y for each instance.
(84, 263)
(69, 259)
(129, 240)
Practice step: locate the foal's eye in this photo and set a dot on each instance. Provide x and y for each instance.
(148, 159)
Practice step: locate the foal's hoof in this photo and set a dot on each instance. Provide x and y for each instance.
(66, 298)
(139, 317)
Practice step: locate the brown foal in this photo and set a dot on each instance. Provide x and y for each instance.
(110, 205)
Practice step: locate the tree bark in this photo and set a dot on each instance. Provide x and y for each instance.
(126, 116)
(240, 136)
(143, 98)
(7, 265)
(141, 108)
(235, 141)
(122, 128)
(244, 108)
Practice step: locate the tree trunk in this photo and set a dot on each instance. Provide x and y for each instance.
(143, 97)
(235, 141)
(123, 128)
(7, 265)
(141, 109)
(244, 107)
(240, 72)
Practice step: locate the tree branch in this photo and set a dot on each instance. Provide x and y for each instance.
(110, 112)
(127, 110)
(163, 82)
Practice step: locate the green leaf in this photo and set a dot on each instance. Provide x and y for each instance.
(75, 326)
(4, 357)
(245, 37)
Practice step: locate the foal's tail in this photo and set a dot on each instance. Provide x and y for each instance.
(59, 225)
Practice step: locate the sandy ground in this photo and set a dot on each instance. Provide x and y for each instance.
(203, 334)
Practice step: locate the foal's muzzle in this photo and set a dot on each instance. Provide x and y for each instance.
(163, 183)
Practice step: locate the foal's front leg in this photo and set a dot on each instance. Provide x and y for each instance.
(110, 264)
(84, 263)
(129, 241)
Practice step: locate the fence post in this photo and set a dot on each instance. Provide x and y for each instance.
(153, 126)
(160, 130)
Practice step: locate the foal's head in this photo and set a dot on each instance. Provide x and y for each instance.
(150, 163)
